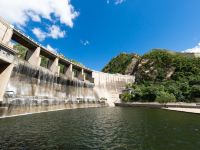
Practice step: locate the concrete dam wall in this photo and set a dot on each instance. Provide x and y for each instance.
(28, 87)
(109, 86)
(27, 80)
(34, 89)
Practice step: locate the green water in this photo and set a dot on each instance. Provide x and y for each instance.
(102, 128)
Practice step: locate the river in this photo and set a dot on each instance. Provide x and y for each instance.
(102, 128)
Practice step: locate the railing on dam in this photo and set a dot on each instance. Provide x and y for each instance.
(35, 53)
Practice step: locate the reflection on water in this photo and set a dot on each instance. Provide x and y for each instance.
(102, 128)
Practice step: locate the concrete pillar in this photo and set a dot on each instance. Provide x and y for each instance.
(53, 66)
(68, 72)
(33, 57)
(5, 73)
(7, 36)
(6, 33)
(81, 75)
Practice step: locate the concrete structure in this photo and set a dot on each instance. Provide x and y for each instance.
(8, 55)
(197, 55)
(110, 86)
(44, 80)
(33, 57)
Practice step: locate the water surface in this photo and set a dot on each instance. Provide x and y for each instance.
(102, 128)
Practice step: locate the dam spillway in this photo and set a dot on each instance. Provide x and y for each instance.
(28, 87)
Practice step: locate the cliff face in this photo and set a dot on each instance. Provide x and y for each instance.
(158, 65)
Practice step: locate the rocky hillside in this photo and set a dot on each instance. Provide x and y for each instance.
(157, 65)
(162, 76)
(160, 65)
(124, 64)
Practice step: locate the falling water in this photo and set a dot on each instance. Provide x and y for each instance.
(35, 89)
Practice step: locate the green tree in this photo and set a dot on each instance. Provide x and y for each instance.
(21, 50)
(119, 64)
(164, 97)
(126, 97)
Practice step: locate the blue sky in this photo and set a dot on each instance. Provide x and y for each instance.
(97, 30)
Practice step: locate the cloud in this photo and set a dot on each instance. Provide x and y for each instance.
(39, 34)
(195, 49)
(85, 43)
(19, 12)
(53, 32)
(55, 50)
(116, 2)
(34, 17)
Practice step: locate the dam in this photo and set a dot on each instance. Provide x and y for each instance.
(27, 86)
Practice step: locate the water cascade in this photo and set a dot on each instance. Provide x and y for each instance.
(34, 89)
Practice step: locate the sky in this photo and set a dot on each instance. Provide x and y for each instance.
(94, 31)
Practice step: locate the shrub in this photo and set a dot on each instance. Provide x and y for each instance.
(195, 91)
(164, 97)
(126, 97)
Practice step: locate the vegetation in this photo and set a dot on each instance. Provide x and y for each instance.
(44, 62)
(62, 68)
(21, 50)
(119, 64)
(165, 76)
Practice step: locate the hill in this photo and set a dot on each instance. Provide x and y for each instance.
(162, 76)
(123, 63)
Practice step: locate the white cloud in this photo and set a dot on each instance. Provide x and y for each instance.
(116, 2)
(195, 49)
(53, 32)
(39, 34)
(19, 12)
(85, 43)
(55, 50)
(34, 17)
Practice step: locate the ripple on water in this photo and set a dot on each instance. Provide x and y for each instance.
(102, 128)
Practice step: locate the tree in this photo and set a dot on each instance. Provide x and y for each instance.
(21, 50)
(164, 97)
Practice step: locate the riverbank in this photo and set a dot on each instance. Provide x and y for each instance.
(182, 107)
